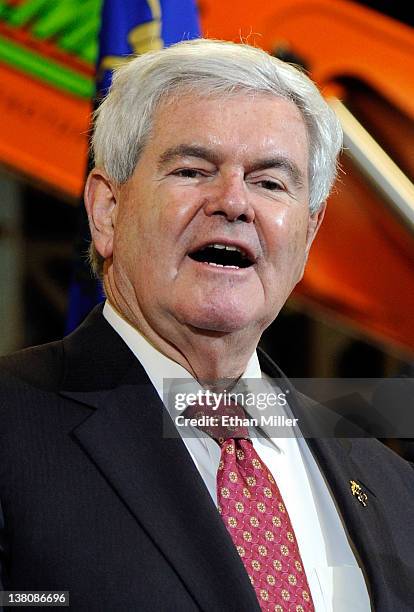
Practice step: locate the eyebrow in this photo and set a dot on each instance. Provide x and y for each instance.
(282, 162)
(277, 161)
(184, 150)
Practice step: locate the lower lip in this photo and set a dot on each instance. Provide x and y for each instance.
(221, 269)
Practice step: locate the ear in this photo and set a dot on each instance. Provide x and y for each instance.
(314, 223)
(100, 201)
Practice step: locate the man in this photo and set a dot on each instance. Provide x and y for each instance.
(213, 165)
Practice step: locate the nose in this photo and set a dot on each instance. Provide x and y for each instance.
(229, 197)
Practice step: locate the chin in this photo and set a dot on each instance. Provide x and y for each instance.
(221, 319)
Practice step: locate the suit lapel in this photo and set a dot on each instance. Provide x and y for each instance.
(159, 484)
(153, 474)
(352, 469)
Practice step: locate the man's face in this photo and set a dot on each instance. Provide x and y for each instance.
(232, 173)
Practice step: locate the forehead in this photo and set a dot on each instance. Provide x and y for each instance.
(237, 123)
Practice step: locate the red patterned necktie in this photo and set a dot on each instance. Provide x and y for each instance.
(253, 511)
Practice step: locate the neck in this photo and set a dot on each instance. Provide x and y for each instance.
(215, 359)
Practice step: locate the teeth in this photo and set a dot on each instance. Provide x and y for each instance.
(210, 263)
(227, 247)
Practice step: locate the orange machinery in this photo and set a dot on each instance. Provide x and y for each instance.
(362, 269)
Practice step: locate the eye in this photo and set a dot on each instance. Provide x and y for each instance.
(189, 173)
(271, 185)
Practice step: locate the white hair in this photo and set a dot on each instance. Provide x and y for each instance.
(211, 68)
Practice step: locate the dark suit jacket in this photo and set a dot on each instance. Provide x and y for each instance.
(96, 501)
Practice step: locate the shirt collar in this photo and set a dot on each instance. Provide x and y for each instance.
(167, 376)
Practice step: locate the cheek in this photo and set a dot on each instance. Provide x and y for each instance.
(176, 209)
(286, 244)
(286, 235)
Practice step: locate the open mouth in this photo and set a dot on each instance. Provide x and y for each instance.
(223, 256)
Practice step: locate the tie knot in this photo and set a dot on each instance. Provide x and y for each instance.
(226, 421)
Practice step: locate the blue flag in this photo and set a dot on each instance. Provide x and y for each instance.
(138, 26)
(127, 27)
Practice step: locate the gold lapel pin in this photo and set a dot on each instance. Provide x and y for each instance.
(359, 493)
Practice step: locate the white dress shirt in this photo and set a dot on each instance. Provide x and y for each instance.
(335, 579)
